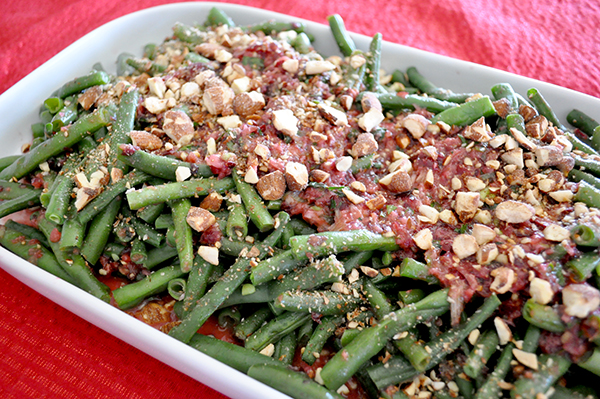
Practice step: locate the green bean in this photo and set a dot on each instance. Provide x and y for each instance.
(348, 336)
(32, 251)
(466, 113)
(285, 349)
(542, 316)
(584, 265)
(544, 109)
(324, 244)
(258, 212)
(66, 116)
(173, 191)
(176, 288)
(217, 17)
(73, 232)
(74, 264)
(131, 179)
(319, 337)
(150, 213)
(164, 221)
(516, 121)
(237, 223)
(275, 329)
(195, 58)
(302, 44)
(577, 175)
(550, 369)
(377, 299)
(398, 369)
(410, 101)
(138, 254)
(356, 259)
(55, 145)
(426, 86)
(183, 233)
(252, 323)
(505, 90)
(143, 66)
(22, 202)
(374, 63)
(290, 382)
(232, 355)
(122, 126)
(416, 270)
(483, 349)
(585, 235)
(219, 292)
(491, 387)
(532, 338)
(158, 165)
(274, 267)
(371, 340)
(188, 34)
(341, 36)
(354, 75)
(6, 161)
(323, 302)
(157, 256)
(54, 104)
(301, 227)
(30, 232)
(131, 294)
(413, 350)
(411, 296)
(270, 27)
(588, 194)
(323, 271)
(197, 283)
(60, 200)
(11, 190)
(229, 317)
(588, 165)
(582, 121)
(578, 392)
(94, 78)
(592, 363)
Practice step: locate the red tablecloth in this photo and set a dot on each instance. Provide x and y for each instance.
(46, 351)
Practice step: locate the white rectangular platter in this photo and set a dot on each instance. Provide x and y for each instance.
(129, 34)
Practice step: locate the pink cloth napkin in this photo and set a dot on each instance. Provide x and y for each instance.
(47, 352)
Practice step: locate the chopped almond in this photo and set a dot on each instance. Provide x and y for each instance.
(286, 122)
(212, 202)
(467, 205)
(246, 104)
(424, 239)
(145, 140)
(464, 245)
(365, 144)
(376, 203)
(541, 291)
(580, 300)
(478, 131)
(397, 182)
(179, 127)
(333, 115)
(514, 211)
(504, 278)
(271, 186)
(200, 219)
(319, 176)
(416, 125)
(296, 176)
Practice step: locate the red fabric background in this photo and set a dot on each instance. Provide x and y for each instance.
(47, 352)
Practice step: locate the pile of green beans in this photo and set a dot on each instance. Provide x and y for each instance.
(286, 291)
